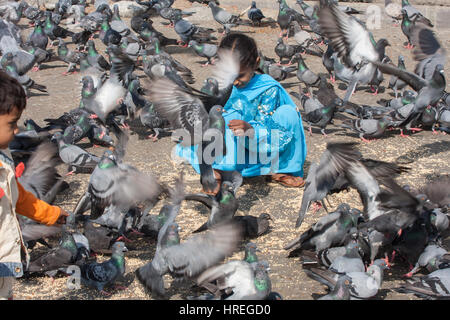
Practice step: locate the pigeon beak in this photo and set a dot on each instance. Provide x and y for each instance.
(125, 249)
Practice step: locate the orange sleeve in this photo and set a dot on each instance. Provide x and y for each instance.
(30, 206)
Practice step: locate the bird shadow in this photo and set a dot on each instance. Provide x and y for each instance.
(258, 189)
(426, 150)
(52, 66)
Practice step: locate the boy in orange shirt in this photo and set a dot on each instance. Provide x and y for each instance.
(14, 199)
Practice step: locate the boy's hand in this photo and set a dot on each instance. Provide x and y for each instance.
(240, 127)
(62, 217)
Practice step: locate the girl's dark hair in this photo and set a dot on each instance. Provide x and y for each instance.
(244, 45)
(11, 94)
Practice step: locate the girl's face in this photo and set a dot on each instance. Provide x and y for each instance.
(245, 75)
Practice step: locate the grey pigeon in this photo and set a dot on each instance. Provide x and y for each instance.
(350, 262)
(341, 290)
(352, 42)
(189, 258)
(240, 280)
(329, 231)
(61, 256)
(368, 129)
(285, 17)
(429, 258)
(188, 31)
(100, 275)
(186, 111)
(305, 75)
(427, 51)
(394, 82)
(364, 285)
(75, 157)
(285, 50)
(435, 285)
(226, 19)
(204, 50)
(114, 182)
(415, 14)
(223, 205)
(72, 58)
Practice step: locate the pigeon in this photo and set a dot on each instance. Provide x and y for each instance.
(435, 285)
(252, 226)
(278, 72)
(105, 99)
(173, 102)
(204, 50)
(307, 10)
(61, 256)
(13, 70)
(406, 27)
(352, 42)
(368, 129)
(108, 35)
(188, 31)
(443, 119)
(429, 91)
(39, 54)
(40, 176)
(350, 262)
(95, 59)
(305, 40)
(364, 285)
(318, 115)
(437, 192)
(38, 38)
(285, 17)
(255, 14)
(328, 58)
(68, 56)
(53, 31)
(415, 14)
(169, 14)
(329, 231)
(429, 259)
(305, 75)
(100, 275)
(339, 167)
(427, 51)
(226, 19)
(187, 259)
(394, 82)
(223, 205)
(341, 290)
(77, 159)
(113, 182)
(284, 50)
(117, 24)
(239, 280)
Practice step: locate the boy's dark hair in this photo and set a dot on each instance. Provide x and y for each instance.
(244, 45)
(11, 94)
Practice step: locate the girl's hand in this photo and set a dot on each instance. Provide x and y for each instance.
(240, 128)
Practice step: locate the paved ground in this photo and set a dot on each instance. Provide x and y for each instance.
(425, 153)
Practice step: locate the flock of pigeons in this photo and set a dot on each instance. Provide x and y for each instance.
(347, 250)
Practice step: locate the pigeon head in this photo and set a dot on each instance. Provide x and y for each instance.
(401, 58)
(172, 236)
(211, 87)
(216, 112)
(439, 73)
(118, 247)
(253, 4)
(212, 4)
(57, 136)
(381, 263)
(226, 188)
(250, 252)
